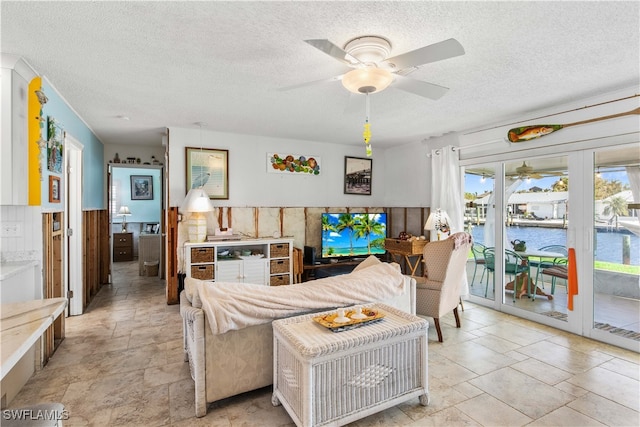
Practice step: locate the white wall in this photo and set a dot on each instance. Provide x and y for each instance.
(407, 176)
(251, 185)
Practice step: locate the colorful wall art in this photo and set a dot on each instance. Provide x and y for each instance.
(293, 163)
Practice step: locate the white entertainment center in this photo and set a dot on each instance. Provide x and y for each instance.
(258, 261)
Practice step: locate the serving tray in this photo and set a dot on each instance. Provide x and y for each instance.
(328, 319)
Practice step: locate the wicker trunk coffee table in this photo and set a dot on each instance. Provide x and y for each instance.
(323, 377)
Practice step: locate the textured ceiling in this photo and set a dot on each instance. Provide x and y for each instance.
(165, 64)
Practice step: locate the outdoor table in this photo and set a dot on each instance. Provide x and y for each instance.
(535, 253)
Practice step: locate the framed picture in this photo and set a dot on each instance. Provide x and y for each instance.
(357, 175)
(55, 137)
(208, 168)
(141, 187)
(54, 189)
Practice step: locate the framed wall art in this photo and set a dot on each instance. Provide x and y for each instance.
(208, 168)
(357, 175)
(55, 138)
(141, 187)
(54, 189)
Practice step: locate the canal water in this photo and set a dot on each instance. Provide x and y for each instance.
(608, 247)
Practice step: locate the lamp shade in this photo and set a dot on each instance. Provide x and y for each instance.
(367, 80)
(438, 221)
(197, 203)
(124, 212)
(197, 200)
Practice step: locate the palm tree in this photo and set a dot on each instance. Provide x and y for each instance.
(367, 225)
(347, 222)
(327, 227)
(616, 206)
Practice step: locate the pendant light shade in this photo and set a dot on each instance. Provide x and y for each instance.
(367, 80)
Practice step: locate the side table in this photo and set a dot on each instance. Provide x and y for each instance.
(407, 249)
(324, 377)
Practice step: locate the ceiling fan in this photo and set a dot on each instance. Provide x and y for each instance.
(525, 171)
(373, 71)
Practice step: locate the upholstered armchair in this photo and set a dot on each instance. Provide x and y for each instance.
(438, 292)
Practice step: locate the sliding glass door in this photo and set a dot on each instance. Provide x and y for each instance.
(613, 314)
(576, 210)
(479, 220)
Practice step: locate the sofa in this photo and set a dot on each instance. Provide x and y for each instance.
(239, 358)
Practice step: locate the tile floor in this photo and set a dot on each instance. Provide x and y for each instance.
(122, 364)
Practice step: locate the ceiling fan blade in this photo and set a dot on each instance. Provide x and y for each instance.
(311, 83)
(418, 87)
(435, 52)
(333, 51)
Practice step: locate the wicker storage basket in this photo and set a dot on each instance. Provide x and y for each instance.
(201, 255)
(279, 266)
(277, 250)
(279, 280)
(202, 272)
(405, 247)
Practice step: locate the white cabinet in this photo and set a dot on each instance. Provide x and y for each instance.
(14, 142)
(248, 271)
(270, 262)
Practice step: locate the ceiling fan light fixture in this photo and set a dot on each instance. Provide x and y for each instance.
(368, 49)
(367, 80)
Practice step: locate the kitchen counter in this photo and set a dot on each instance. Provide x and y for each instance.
(22, 324)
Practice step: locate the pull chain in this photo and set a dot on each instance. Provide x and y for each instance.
(366, 134)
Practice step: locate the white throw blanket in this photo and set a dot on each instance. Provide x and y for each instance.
(230, 306)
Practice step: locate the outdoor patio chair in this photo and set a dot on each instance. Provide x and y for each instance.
(478, 257)
(513, 265)
(558, 270)
(541, 264)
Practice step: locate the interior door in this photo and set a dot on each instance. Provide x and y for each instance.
(73, 225)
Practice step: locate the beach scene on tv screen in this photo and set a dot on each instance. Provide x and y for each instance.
(354, 234)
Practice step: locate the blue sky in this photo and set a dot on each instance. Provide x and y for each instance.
(473, 184)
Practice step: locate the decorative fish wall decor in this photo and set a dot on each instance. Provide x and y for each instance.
(526, 133)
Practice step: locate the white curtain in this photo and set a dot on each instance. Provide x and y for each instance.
(633, 174)
(490, 221)
(446, 192)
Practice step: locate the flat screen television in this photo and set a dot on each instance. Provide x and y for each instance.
(353, 234)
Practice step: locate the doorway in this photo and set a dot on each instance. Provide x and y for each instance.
(135, 195)
(73, 271)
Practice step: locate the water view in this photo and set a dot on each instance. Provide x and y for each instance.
(608, 248)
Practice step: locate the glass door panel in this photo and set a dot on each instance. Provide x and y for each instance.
(479, 184)
(536, 199)
(616, 258)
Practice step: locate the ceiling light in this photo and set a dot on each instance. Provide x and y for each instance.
(367, 80)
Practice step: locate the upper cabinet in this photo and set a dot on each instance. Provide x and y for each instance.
(14, 147)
